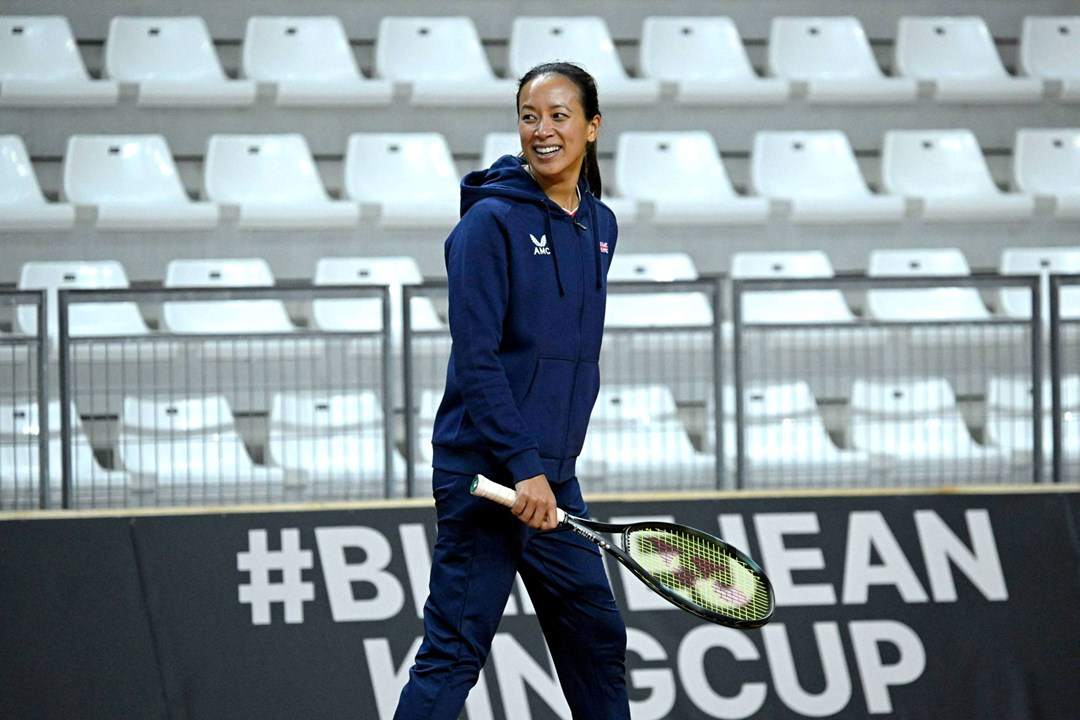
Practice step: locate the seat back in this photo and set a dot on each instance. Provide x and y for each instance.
(223, 316)
(18, 184)
(1050, 46)
(1047, 162)
(810, 164)
(671, 165)
(1044, 261)
(39, 47)
(935, 163)
(497, 144)
(122, 169)
(783, 306)
(916, 419)
(929, 48)
(944, 303)
(365, 314)
(84, 319)
(326, 412)
(261, 169)
(586, 39)
(161, 48)
(634, 405)
(820, 48)
(408, 49)
(659, 267)
(297, 48)
(693, 48)
(383, 167)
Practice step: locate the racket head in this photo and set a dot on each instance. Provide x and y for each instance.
(700, 573)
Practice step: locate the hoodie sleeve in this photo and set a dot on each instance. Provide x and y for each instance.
(479, 286)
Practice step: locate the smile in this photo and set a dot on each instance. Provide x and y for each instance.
(547, 150)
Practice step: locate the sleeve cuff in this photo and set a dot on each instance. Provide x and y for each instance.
(525, 465)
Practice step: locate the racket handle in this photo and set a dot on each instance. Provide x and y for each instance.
(482, 487)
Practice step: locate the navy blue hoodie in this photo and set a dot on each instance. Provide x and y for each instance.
(528, 288)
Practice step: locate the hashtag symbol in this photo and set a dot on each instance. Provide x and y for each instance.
(291, 590)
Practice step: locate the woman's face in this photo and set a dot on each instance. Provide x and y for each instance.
(553, 128)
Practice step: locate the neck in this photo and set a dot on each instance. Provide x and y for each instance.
(563, 193)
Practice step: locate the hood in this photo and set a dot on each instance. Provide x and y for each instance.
(507, 177)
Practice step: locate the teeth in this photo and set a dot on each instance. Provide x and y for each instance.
(546, 150)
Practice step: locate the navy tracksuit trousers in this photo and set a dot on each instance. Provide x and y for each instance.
(479, 547)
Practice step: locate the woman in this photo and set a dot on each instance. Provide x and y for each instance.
(527, 267)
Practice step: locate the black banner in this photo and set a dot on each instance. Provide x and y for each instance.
(906, 606)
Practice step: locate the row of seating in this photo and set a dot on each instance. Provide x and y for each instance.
(899, 432)
(410, 179)
(626, 310)
(309, 60)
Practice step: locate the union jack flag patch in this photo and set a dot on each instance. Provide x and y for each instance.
(603, 246)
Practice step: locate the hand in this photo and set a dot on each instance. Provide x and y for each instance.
(535, 504)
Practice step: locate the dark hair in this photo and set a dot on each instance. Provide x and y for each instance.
(590, 168)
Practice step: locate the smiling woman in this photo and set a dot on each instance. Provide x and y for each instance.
(527, 267)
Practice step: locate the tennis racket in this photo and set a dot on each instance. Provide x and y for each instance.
(697, 572)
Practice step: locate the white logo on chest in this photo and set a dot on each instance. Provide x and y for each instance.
(540, 247)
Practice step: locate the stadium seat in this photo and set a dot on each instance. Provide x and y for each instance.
(274, 182)
(132, 182)
(946, 171)
(365, 314)
(917, 425)
(587, 41)
(786, 443)
(1010, 426)
(789, 306)
(22, 204)
(655, 309)
(223, 317)
(1041, 261)
(923, 304)
(84, 319)
(332, 443)
(816, 171)
(706, 60)
(410, 177)
(682, 176)
(189, 447)
(20, 466)
(40, 65)
(442, 59)
(1050, 49)
(959, 56)
(636, 441)
(172, 61)
(832, 55)
(1047, 163)
(309, 60)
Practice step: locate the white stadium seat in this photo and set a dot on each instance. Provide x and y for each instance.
(655, 309)
(946, 171)
(1046, 162)
(1041, 261)
(309, 61)
(789, 306)
(23, 206)
(410, 177)
(682, 176)
(587, 41)
(706, 59)
(1009, 420)
(84, 319)
(1050, 49)
(442, 59)
(959, 56)
(133, 184)
(332, 443)
(832, 55)
(172, 61)
(188, 447)
(274, 182)
(40, 65)
(923, 304)
(497, 144)
(223, 317)
(816, 171)
(917, 425)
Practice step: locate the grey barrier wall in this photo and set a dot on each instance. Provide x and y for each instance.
(336, 400)
(936, 605)
(24, 446)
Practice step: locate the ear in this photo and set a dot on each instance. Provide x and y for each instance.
(594, 129)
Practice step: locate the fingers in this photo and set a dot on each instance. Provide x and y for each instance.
(535, 504)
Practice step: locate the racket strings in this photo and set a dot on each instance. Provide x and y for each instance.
(700, 571)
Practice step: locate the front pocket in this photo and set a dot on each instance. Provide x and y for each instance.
(586, 388)
(546, 406)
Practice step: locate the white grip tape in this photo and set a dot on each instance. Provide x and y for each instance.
(503, 495)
